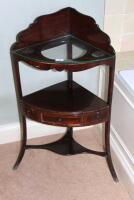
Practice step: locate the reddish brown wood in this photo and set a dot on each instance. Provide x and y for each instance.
(58, 105)
(67, 103)
(22, 118)
(66, 22)
(61, 23)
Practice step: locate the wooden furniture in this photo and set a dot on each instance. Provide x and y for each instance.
(67, 103)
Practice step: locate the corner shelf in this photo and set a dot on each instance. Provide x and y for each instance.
(67, 103)
(62, 106)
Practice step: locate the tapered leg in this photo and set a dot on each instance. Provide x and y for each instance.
(23, 141)
(70, 138)
(108, 153)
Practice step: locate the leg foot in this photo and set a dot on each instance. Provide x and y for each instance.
(111, 168)
(23, 142)
(108, 152)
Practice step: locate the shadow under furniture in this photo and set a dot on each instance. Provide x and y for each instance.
(67, 103)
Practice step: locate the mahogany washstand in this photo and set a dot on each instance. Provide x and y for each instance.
(67, 103)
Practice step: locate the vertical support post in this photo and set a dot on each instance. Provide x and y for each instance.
(70, 80)
(23, 128)
(69, 56)
(111, 82)
(70, 137)
(107, 124)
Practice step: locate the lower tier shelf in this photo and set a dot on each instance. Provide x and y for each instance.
(66, 146)
(63, 106)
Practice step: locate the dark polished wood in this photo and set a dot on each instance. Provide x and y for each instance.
(69, 56)
(60, 106)
(66, 146)
(67, 103)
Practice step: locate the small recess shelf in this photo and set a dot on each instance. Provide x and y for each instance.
(64, 40)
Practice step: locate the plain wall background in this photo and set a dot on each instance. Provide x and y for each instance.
(16, 16)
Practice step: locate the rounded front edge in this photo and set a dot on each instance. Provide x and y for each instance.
(60, 66)
(70, 120)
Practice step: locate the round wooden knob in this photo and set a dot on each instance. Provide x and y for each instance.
(98, 115)
(59, 119)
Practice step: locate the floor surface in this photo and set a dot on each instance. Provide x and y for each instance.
(44, 175)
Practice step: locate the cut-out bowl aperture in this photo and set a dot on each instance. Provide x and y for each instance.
(59, 53)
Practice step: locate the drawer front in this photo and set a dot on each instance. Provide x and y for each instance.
(96, 117)
(53, 119)
(62, 121)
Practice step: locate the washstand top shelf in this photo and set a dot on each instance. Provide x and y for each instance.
(45, 44)
(82, 51)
